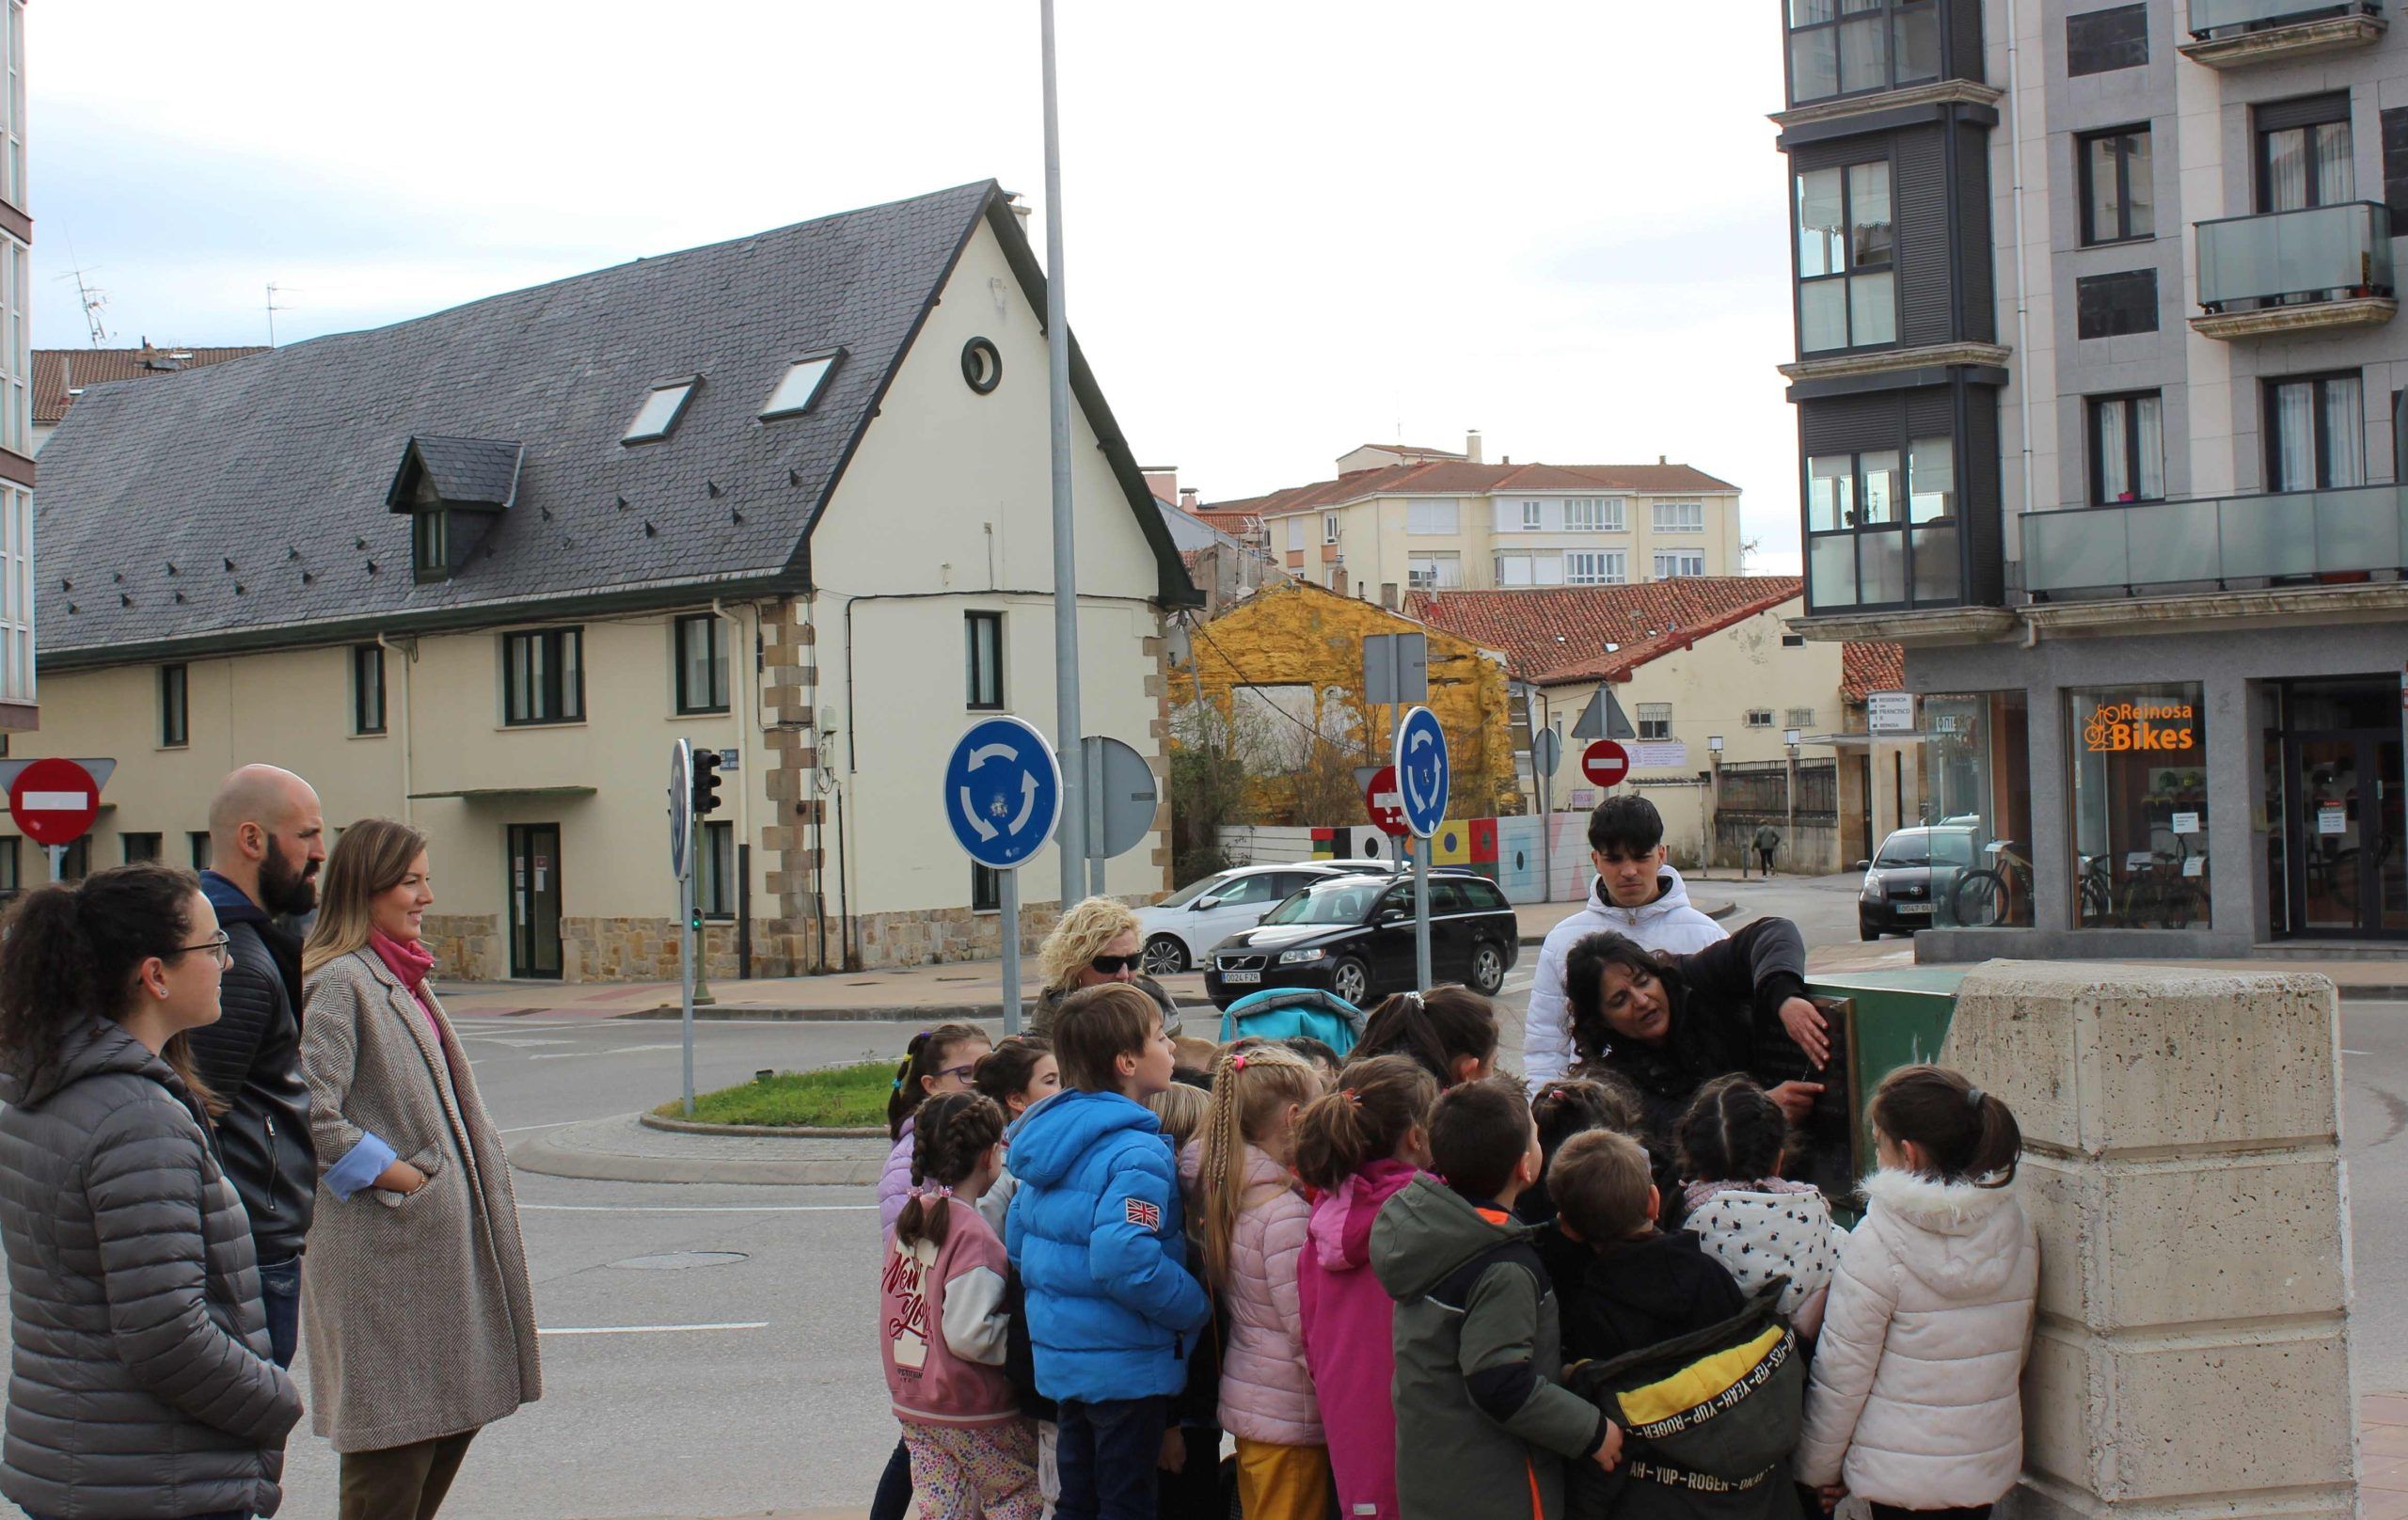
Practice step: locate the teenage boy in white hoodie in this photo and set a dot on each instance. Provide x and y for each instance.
(1635, 894)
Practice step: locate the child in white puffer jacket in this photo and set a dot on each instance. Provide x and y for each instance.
(1914, 1404)
(1757, 1223)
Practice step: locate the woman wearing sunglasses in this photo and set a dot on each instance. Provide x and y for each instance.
(140, 1385)
(1095, 943)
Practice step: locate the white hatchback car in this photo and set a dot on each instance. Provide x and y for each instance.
(1177, 931)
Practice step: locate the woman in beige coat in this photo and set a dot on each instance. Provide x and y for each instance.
(419, 1323)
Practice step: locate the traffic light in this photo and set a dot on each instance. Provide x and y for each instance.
(706, 782)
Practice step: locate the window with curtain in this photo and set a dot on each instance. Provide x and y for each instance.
(2315, 434)
(1593, 568)
(1430, 517)
(2303, 154)
(1846, 286)
(1881, 529)
(2118, 197)
(1435, 572)
(1847, 47)
(2126, 449)
(1654, 719)
(1673, 563)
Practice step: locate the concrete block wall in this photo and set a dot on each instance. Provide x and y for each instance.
(2183, 1170)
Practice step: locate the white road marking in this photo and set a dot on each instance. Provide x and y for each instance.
(699, 1207)
(513, 1044)
(624, 1049)
(556, 1124)
(2357, 1053)
(651, 1329)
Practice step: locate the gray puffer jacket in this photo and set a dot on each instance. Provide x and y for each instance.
(140, 1384)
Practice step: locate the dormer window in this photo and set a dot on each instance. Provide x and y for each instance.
(455, 490)
(800, 385)
(660, 410)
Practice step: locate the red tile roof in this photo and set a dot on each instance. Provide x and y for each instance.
(1557, 633)
(1869, 667)
(1462, 477)
(59, 371)
(1410, 450)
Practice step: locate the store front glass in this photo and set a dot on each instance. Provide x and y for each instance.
(2336, 866)
(2140, 806)
(1980, 809)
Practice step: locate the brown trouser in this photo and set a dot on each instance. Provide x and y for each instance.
(402, 1482)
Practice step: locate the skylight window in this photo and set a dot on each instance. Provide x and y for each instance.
(800, 385)
(660, 412)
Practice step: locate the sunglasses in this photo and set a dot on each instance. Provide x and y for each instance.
(1114, 965)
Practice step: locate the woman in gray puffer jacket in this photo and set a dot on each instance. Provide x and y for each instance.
(140, 1384)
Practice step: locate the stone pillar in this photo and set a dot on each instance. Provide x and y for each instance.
(2183, 1169)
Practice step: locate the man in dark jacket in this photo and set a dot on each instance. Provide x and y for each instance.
(267, 839)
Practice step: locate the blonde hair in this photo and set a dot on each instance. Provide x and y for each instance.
(1248, 1088)
(1183, 1110)
(368, 860)
(1080, 936)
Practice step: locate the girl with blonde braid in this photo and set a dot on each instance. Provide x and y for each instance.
(1254, 1226)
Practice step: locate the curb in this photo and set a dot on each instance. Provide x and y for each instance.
(545, 1158)
(775, 1132)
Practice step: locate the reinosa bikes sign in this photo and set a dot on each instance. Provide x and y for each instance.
(2149, 727)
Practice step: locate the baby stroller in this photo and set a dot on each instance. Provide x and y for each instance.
(1283, 1012)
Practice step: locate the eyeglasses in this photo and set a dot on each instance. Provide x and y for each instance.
(216, 948)
(1114, 965)
(963, 1072)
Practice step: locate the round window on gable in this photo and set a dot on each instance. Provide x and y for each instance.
(981, 365)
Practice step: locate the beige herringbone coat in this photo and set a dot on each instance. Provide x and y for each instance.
(416, 1309)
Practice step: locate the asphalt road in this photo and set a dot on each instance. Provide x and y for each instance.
(752, 1385)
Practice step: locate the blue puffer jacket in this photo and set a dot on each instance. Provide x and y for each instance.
(1095, 1232)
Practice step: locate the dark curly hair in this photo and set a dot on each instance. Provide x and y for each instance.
(1571, 1105)
(1582, 969)
(1733, 1132)
(952, 1131)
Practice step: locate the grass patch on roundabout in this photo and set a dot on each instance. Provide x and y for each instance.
(842, 1097)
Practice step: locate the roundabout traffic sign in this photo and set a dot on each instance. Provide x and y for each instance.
(1422, 771)
(1003, 793)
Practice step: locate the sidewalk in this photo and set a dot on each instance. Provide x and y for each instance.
(2369, 980)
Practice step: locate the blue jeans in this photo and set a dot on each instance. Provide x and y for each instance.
(1106, 1453)
(280, 1291)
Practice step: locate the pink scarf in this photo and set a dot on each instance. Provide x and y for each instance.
(410, 961)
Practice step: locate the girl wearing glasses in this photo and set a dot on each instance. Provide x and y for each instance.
(416, 1309)
(1095, 943)
(140, 1381)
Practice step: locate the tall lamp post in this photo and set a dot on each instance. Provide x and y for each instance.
(1071, 842)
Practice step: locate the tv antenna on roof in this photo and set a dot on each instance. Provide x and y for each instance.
(91, 299)
(272, 309)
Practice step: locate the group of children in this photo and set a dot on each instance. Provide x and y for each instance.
(1104, 1256)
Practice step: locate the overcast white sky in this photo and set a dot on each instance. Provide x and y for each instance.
(1293, 226)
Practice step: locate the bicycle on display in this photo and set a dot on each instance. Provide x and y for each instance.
(1992, 895)
(2156, 893)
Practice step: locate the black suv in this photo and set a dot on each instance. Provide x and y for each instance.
(1354, 935)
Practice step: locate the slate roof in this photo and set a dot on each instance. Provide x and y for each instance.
(1459, 477)
(463, 471)
(1556, 635)
(243, 506)
(60, 372)
(1866, 668)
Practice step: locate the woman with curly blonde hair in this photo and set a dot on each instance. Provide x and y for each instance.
(1095, 943)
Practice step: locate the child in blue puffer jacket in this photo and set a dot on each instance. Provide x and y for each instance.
(1096, 1234)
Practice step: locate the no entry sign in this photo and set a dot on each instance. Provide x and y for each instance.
(1605, 762)
(1384, 805)
(54, 801)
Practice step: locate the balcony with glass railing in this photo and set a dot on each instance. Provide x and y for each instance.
(2236, 34)
(2296, 536)
(2294, 271)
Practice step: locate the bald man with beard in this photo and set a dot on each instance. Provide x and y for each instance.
(267, 839)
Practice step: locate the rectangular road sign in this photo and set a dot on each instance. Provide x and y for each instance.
(1396, 668)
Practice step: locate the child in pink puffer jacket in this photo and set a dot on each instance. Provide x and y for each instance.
(1255, 1225)
(1358, 1147)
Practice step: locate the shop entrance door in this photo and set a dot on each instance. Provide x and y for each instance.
(535, 900)
(2343, 822)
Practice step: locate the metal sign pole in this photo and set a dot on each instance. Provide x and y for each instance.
(1007, 886)
(58, 862)
(686, 959)
(1072, 759)
(1422, 915)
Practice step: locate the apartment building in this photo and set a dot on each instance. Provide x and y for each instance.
(1401, 518)
(18, 709)
(2100, 401)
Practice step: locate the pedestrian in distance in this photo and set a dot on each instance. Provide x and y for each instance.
(266, 842)
(1095, 945)
(140, 1385)
(420, 1323)
(1767, 841)
(1637, 895)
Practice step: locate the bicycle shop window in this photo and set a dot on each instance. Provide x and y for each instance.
(1976, 776)
(2140, 806)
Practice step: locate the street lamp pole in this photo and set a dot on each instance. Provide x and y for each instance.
(1069, 843)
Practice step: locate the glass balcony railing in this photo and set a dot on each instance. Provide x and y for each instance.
(2226, 539)
(2214, 15)
(2323, 252)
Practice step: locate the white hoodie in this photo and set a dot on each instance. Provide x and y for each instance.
(1915, 1397)
(1669, 923)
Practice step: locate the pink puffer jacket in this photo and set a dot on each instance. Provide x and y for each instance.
(1266, 1389)
(1348, 1320)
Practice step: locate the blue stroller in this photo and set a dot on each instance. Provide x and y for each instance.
(1280, 1012)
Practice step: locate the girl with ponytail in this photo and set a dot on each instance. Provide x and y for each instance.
(1934, 1289)
(1450, 1030)
(1255, 1225)
(944, 1324)
(1358, 1147)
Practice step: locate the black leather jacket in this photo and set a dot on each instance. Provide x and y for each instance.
(251, 1059)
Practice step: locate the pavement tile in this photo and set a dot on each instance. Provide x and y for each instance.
(2383, 1409)
(2383, 1440)
(2382, 1504)
(2384, 1472)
